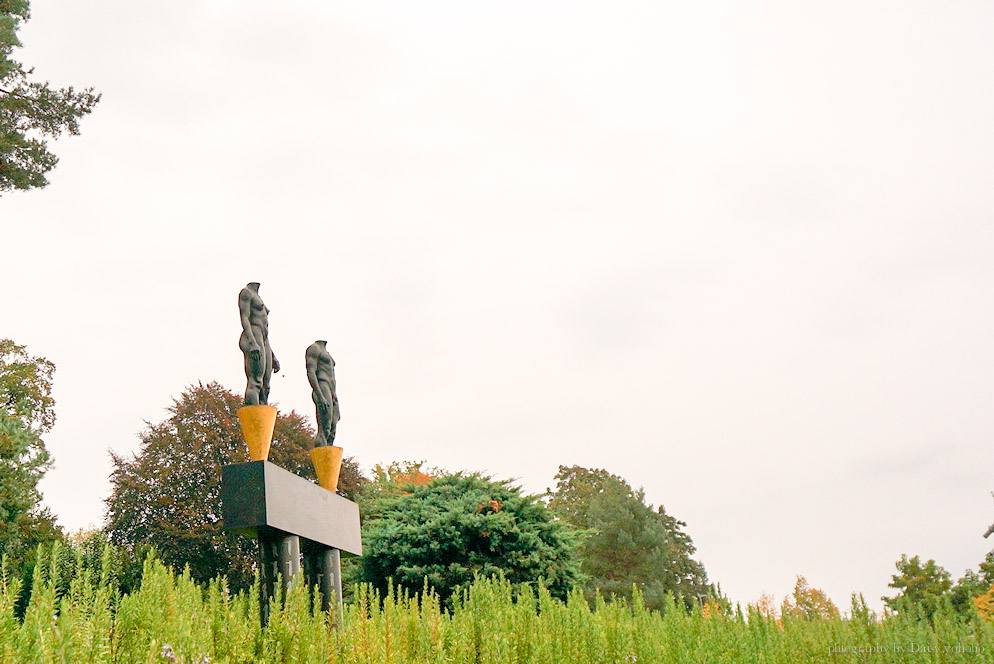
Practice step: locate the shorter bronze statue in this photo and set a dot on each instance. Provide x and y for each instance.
(260, 362)
(321, 375)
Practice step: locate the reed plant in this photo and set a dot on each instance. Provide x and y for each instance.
(76, 614)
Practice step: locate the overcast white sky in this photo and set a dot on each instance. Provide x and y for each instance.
(737, 253)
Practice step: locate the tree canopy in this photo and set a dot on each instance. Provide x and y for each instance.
(397, 478)
(167, 495)
(922, 586)
(625, 541)
(808, 603)
(973, 585)
(456, 526)
(31, 111)
(27, 410)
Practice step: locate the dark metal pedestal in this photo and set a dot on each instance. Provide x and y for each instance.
(290, 515)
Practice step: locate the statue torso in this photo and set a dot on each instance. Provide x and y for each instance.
(258, 313)
(326, 366)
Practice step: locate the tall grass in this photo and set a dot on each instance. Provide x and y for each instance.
(76, 615)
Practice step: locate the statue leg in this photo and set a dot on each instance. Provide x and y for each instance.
(251, 383)
(319, 417)
(327, 422)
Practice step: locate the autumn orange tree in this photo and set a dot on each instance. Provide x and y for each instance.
(766, 606)
(393, 479)
(167, 495)
(984, 604)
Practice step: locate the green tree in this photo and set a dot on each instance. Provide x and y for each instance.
(809, 603)
(457, 526)
(971, 585)
(27, 410)
(625, 541)
(922, 587)
(167, 495)
(31, 111)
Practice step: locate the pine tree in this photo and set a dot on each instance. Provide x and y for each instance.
(31, 111)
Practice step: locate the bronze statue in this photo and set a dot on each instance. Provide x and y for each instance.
(260, 362)
(321, 375)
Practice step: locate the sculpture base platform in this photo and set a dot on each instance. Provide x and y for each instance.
(261, 500)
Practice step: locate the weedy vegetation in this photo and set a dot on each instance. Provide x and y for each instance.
(77, 614)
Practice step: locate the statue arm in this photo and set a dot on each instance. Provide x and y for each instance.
(312, 369)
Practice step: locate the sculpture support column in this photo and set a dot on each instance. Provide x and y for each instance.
(289, 560)
(323, 568)
(331, 581)
(279, 562)
(268, 571)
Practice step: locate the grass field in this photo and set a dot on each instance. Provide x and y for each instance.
(76, 617)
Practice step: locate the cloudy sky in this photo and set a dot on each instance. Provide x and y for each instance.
(737, 253)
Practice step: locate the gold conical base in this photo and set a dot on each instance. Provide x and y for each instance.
(328, 465)
(258, 423)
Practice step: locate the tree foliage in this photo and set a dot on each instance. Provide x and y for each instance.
(27, 410)
(922, 587)
(398, 478)
(167, 495)
(972, 585)
(31, 111)
(809, 603)
(626, 541)
(984, 604)
(766, 606)
(455, 527)
(26, 387)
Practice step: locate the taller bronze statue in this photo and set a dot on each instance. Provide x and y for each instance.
(260, 362)
(321, 376)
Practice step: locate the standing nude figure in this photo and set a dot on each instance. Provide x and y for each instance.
(321, 376)
(260, 362)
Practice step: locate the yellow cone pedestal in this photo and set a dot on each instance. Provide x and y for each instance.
(328, 465)
(258, 423)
